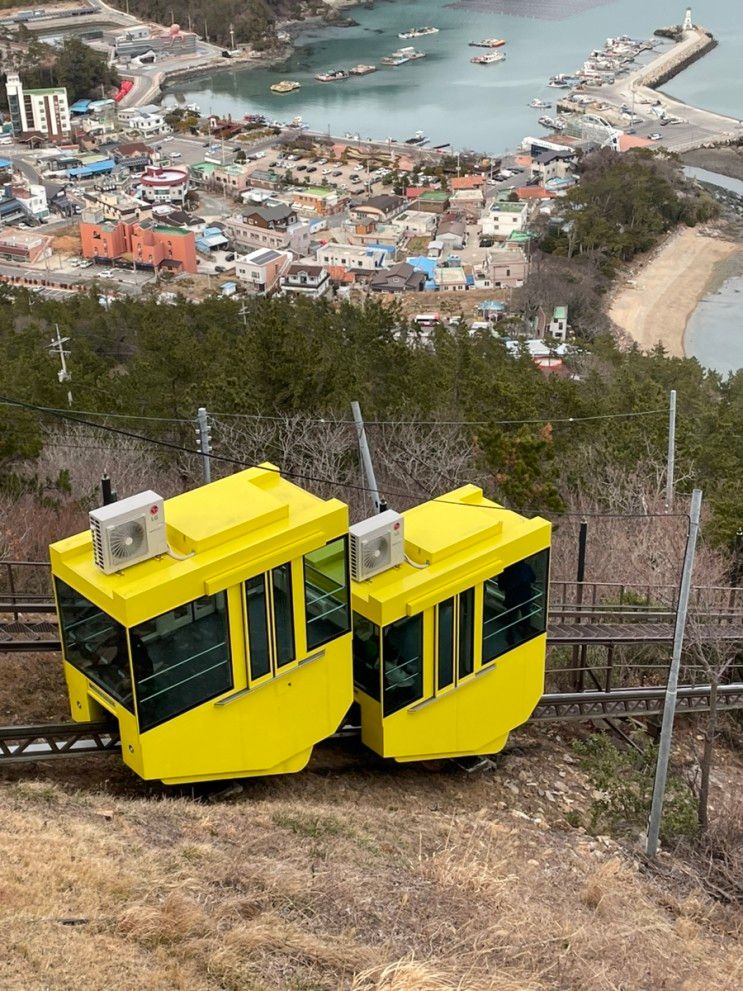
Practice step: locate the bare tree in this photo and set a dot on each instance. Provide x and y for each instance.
(715, 654)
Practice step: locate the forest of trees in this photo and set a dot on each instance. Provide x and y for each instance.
(253, 20)
(75, 65)
(625, 203)
(296, 359)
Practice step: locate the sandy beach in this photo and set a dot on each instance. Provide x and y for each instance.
(656, 305)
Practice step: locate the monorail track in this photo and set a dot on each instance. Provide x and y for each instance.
(34, 635)
(24, 744)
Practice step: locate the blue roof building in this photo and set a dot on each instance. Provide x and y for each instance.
(95, 168)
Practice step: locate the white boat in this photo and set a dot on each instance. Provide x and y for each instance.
(362, 70)
(334, 76)
(418, 32)
(401, 56)
(546, 121)
(489, 58)
(540, 104)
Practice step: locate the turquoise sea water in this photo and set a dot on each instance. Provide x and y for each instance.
(481, 107)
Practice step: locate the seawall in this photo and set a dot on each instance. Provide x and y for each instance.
(660, 71)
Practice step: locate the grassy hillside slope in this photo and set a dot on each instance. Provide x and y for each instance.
(352, 875)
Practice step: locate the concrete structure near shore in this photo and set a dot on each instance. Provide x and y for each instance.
(698, 127)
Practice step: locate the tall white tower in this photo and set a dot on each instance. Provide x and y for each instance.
(688, 23)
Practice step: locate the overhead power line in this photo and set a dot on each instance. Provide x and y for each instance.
(237, 462)
(331, 421)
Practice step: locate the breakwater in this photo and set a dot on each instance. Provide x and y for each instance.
(669, 65)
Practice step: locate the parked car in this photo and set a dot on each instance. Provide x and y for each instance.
(337, 172)
(106, 274)
(301, 168)
(175, 154)
(656, 137)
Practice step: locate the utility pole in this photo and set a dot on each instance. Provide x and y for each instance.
(57, 347)
(669, 707)
(244, 314)
(379, 504)
(204, 441)
(671, 464)
(232, 37)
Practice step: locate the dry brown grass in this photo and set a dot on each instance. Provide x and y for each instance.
(351, 876)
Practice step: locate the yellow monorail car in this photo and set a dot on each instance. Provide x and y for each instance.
(216, 627)
(449, 647)
(228, 655)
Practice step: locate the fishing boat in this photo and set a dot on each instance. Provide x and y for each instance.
(418, 32)
(540, 104)
(488, 59)
(546, 121)
(488, 43)
(559, 82)
(418, 139)
(285, 86)
(334, 76)
(362, 70)
(401, 56)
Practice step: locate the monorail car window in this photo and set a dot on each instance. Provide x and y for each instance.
(455, 643)
(366, 651)
(515, 606)
(445, 640)
(181, 659)
(402, 650)
(270, 608)
(283, 613)
(257, 603)
(327, 600)
(466, 632)
(95, 644)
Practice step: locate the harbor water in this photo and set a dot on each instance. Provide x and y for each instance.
(484, 107)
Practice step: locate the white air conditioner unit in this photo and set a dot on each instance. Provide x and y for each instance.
(128, 532)
(376, 545)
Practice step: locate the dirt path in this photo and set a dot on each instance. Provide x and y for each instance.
(657, 305)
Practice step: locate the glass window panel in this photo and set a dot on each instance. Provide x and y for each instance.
(181, 659)
(446, 643)
(95, 644)
(283, 613)
(515, 605)
(403, 663)
(260, 658)
(326, 593)
(366, 674)
(466, 632)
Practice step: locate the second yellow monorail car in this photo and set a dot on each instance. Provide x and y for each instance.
(449, 646)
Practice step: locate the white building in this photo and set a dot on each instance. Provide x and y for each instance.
(354, 256)
(164, 185)
(503, 218)
(145, 120)
(43, 110)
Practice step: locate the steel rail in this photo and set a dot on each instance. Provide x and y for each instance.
(23, 744)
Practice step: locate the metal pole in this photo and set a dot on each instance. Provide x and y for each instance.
(107, 495)
(366, 460)
(669, 708)
(579, 652)
(203, 432)
(671, 451)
